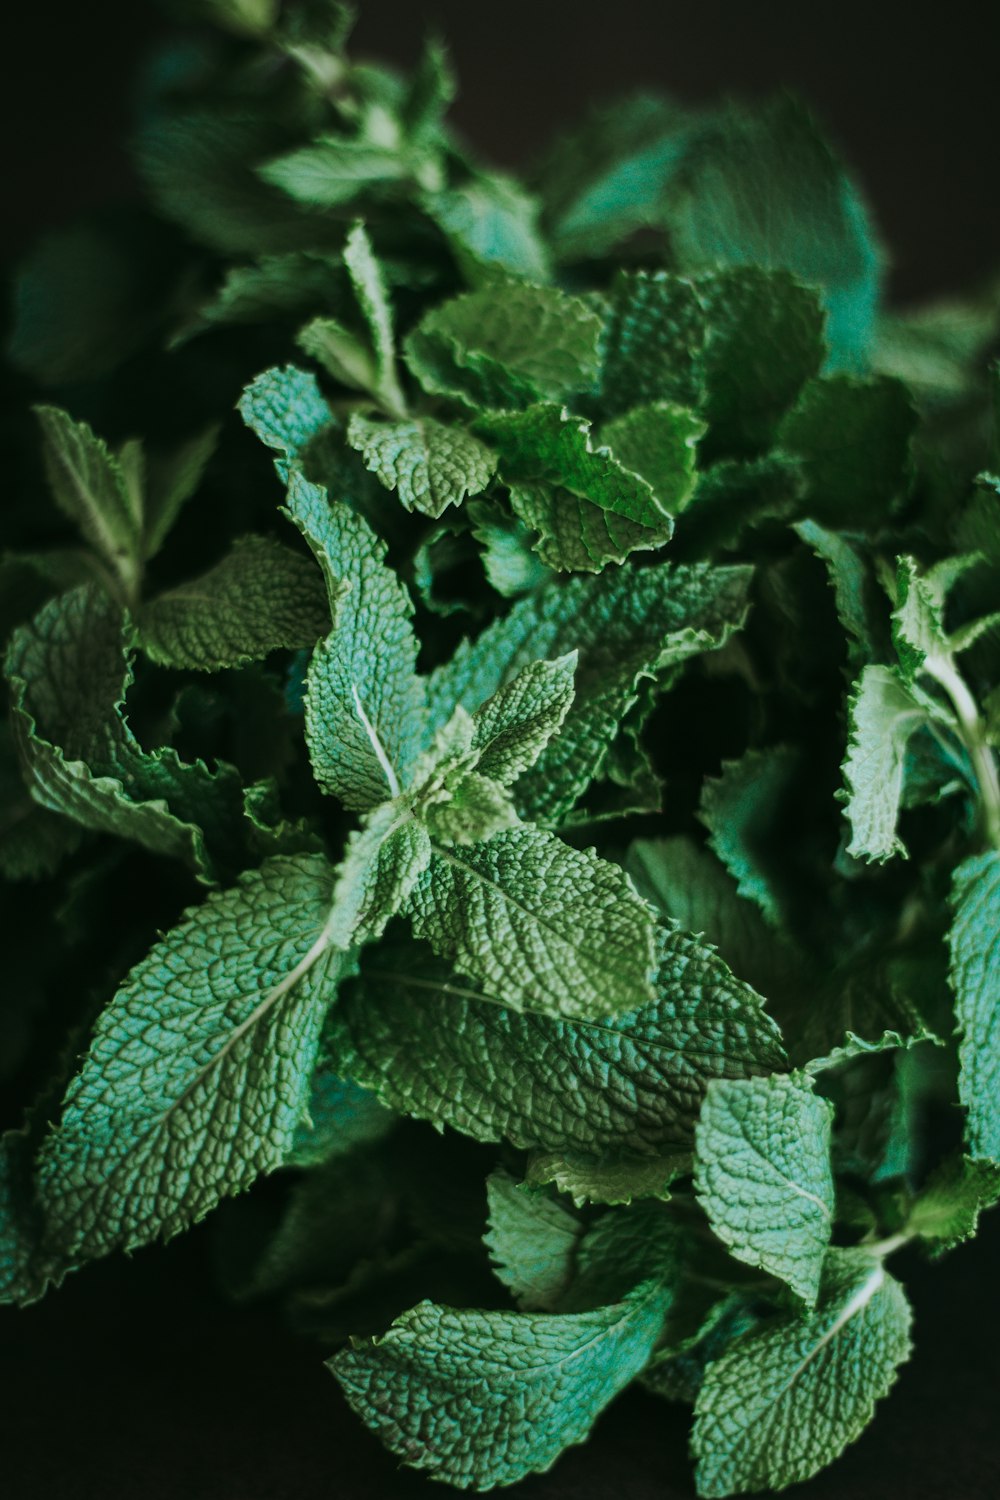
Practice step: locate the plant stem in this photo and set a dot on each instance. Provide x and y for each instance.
(944, 671)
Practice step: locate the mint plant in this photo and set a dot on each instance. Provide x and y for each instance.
(559, 707)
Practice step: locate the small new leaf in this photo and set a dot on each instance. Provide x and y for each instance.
(429, 464)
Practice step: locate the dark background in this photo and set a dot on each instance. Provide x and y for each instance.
(135, 1382)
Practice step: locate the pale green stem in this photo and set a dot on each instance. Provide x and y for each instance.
(944, 671)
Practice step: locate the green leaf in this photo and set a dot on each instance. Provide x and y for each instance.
(513, 727)
(272, 286)
(363, 697)
(859, 600)
(762, 1175)
(286, 409)
(884, 714)
(626, 1085)
(609, 177)
(544, 926)
(653, 338)
(764, 341)
(658, 442)
(947, 1209)
(532, 1242)
(338, 1116)
(171, 479)
(335, 170)
(587, 508)
(785, 1401)
(626, 624)
(623, 1181)
(199, 1068)
(69, 673)
(740, 808)
(476, 809)
(852, 438)
(491, 227)
(429, 464)
(342, 353)
(506, 345)
(484, 1398)
(974, 943)
(261, 597)
(762, 187)
(89, 486)
(373, 299)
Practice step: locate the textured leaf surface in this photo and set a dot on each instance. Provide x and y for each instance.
(625, 624)
(89, 486)
(629, 1084)
(69, 674)
(491, 224)
(608, 1181)
(541, 925)
(429, 464)
(285, 408)
(338, 1116)
(762, 1174)
(852, 438)
(883, 716)
(785, 1401)
(653, 338)
(532, 1242)
(483, 1398)
(363, 697)
(741, 808)
(948, 1208)
(658, 442)
(974, 942)
(513, 726)
(198, 1072)
(261, 597)
(506, 346)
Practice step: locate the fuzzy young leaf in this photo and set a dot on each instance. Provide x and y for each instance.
(506, 345)
(429, 464)
(532, 1242)
(513, 726)
(785, 1401)
(373, 299)
(198, 1072)
(484, 1398)
(261, 597)
(286, 409)
(884, 715)
(541, 925)
(974, 941)
(628, 1085)
(762, 1174)
(948, 1207)
(363, 697)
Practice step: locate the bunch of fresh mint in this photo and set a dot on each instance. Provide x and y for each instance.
(584, 744)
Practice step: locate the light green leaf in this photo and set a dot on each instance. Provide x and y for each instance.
(764, 341)
(658, 443)
(506, 345)
(626, 625)
(884, 713)
(652, 343)
(339, 351)
(373, 299)
(90, 487)
(541, 925)
(947, 1209)
(171, 479)
(261, 597)
(272, 286)
(532, 1242)
(476, 809)
(762, 1175)
(761, 186)
(333, 170)
(615, 1182)
(785, 1401)
(69, 674)
(286, 409)
(852, 439)
(490, 224)
(513, 727)
(363, 697)
(429, 464)
(199, 1069)
(627, 1085)
(974, 942)
(859, 599)
(483, 1398)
